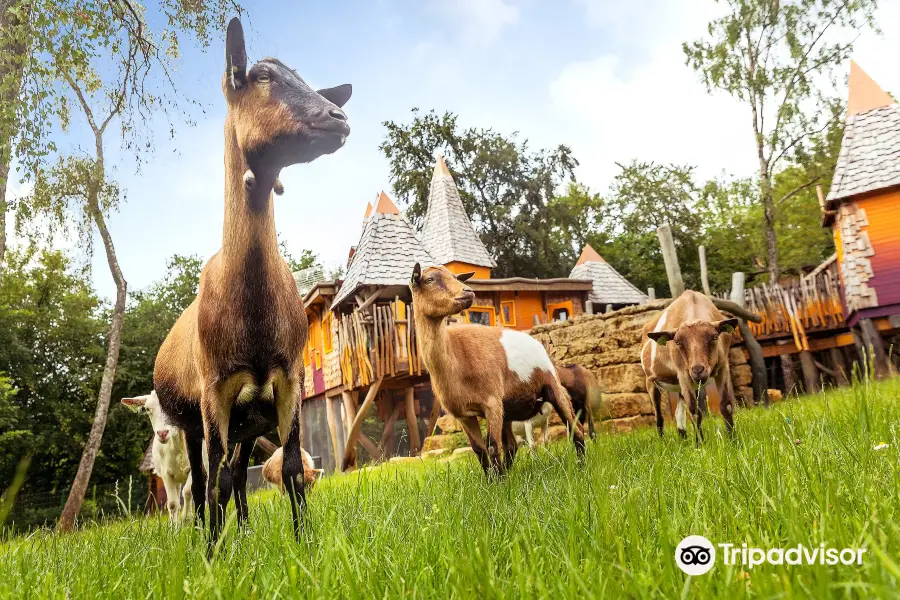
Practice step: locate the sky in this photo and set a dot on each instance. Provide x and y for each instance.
(605, 77)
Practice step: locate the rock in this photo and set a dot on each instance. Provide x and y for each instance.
(744, 395)
(619, 379)
(448, 424)
(447, 442)
(437, 453)
(628, 423)
(616, 406)
(737, 356)
(404, 459)
(463, 451)
(741, 375)
(775, 396)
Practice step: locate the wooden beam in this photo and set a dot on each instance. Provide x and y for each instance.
(332, 428)
(841, 374)
(350, 451)
(388, 438)
(651, 293)
(266, 446)
(787, 371)
(816, 344)
(875, 344)
(738, 280)
(760, 378)
(412, 422)
(670, 258)
(704, 274)
(810, 372)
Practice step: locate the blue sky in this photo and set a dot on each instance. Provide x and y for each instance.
(606, 77)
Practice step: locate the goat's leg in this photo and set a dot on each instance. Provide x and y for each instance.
(656, 396)
(529, 432)
(219, 483)
(198, 476)
(510, 447)
(493, 418)
(173, 497)
(689, 395)
(239, 464)
(726, 396)
(473, 432)
(558, 397)
(187, 506)
(288, 404)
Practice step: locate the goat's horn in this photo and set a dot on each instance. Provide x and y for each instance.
(726, 305)
(278, 187)
(249, 178)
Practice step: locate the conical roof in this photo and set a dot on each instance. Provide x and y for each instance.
(386, 253)
(870, 151)
(448, 234)
(609, 286)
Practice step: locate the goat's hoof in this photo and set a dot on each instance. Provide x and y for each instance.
(682, 434)
(278, 187)
(249, 179)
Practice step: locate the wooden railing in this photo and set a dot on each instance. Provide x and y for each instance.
(809, 304)
(379, 342)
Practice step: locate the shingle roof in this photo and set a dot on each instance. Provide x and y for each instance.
(870, 153)
(147, 462)
(448, 234)
(385, 254)
(308, 277)
(609, 285)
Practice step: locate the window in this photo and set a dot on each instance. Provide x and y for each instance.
(318, 355)
(508, 313)
(306, 359)
(327, 342)
(480, 316)
(560, 311)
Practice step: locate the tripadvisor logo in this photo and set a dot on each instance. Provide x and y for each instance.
(696, 555)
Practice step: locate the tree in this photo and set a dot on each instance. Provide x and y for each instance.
(509, 191)
(771, 55)
(308, 258)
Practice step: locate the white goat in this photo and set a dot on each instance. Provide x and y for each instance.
(542, 419)
(170, 460)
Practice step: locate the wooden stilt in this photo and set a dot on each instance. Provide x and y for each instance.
(350, 452)
(704, 273)
(435, 413)
(412, 422)
(873, 342)
(841, 374)
(787, 370)
(810, 372)
(670, 258)
(389, 438)
(332, 429)
(760, 380)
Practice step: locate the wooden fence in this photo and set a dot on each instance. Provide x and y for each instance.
(378, 343)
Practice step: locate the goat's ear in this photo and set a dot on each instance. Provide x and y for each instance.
(727, 325)
(135, 404)
(661, 337)
(466, 276)
(416, 275)
(235, 55)
(337, 95)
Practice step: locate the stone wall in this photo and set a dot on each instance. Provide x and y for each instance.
(610, 345)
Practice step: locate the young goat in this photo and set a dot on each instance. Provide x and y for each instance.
(495, 373)
(232, 368)
(686, 345)
(271, 471)
(170, 460)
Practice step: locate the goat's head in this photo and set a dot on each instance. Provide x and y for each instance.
(278, 119)
(438, 293)
(149, 405)
(698, 344)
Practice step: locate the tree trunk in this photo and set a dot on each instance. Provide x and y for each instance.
(787, 371)
(810, 372)
(82, 477)
(771, 241)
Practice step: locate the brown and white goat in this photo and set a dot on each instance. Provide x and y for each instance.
(584, 392)
(479, 371)
(686, 345)
(231, 368)
(271, 470)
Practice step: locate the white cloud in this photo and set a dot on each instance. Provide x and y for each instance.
(480, 21)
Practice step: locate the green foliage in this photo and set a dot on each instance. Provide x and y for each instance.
(805, 472)
(308, 258)
(509, 191)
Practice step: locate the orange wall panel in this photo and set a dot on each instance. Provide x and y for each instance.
(459, 267)
(883, 215)
(528, 304)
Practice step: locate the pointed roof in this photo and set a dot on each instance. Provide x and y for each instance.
(386, 252)
(609, 287)
(589, 255)
(864, 94)
(368, 211)
(870, 151)
(448, 234)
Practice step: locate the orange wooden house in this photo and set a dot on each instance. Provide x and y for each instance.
(362, 350)
(863, 211)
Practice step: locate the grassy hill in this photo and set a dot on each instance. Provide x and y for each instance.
(805, 472)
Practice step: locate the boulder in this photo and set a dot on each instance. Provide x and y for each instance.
(448, 424)
(447, 441)
(741, 375)
(744, 395)
(616, 406)
(463, 451)
(404, 459)
(628, 423)
(437, 453)
(624, 378)
(737, 356)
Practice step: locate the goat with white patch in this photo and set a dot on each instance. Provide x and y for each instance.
(479, 371)
(170, 460)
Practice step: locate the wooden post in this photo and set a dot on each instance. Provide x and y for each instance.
(350, 451)
(673, 270)
(535, 320)
(412, 422)
(332, 429)
(588, 308)
(651, 293)
(875, 346)
(841, 374)
(266, 446)
(704, 274)
(388, 438)
(349, 399)
(760, 379)
(821, 197)
(787, 370)
(810, 372)
(609, 308)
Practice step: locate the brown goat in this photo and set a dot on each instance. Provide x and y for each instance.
(479, 371)
(231, 368)
(584, 391)
(271, 470)
(686, 345)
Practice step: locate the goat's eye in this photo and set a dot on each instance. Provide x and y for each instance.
(263, 78)
(429, 280)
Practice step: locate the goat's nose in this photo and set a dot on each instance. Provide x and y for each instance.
(336, 113)
(163, 434)
(698, 371)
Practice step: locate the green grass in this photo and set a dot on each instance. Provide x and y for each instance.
(804, 472)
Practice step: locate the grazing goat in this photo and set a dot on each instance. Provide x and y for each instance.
(232, 368)
(272, 470)
(491, 372)
(686, 345)
(584, 391)
(169, 454)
